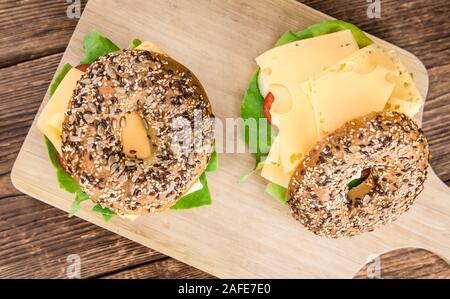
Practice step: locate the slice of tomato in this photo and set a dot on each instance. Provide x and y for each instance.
(268, 101)
(83, 67)
(365, 174)
(61, 162)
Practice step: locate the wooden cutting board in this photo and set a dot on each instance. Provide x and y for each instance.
(245, 233)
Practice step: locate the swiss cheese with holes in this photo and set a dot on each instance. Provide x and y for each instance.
(320, 83)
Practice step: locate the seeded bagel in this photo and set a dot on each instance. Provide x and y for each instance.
(169, 99)
(390, 145)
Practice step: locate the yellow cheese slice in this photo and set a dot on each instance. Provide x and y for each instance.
(361, 83)
(297, 130)
(52, 116)
(410, 108)
(339, 96)
(299, 60)
(272, 169)
(149, 46)
(296, 136)
(367, 59)
(134, 137)
(405, 89)
(282, 69)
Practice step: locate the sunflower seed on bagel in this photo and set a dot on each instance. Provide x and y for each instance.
(395, 151)
(164, 93)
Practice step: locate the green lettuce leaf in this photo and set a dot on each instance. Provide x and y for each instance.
(252, 109)
(105, 212)
(276, 191)
(200, 197)
(134, 43)
(326, 27)
(257, 167)
(62, 73)
(76, 205)
(213, 164)
(65, 180)
(353, 183)
(195, 199)
(96, 45)
(68, 183)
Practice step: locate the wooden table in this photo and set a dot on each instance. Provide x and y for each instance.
(36, 239)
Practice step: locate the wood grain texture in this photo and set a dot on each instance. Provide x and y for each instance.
(166, 268)
(407, 263)
(31, 249)
(32, 29)
(22, 86)
(427, 38)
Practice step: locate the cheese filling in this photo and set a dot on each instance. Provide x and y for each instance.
(52, 116)
(135, 140)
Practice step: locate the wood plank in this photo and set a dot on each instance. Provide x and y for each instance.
(182, 235)
(33, 29)
(37, 239)
(411, 263)
(166, 268)
(22, 88)
(407, 263)
(436, 122)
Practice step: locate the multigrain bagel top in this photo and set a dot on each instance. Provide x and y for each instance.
(170, 101)
(390, 146)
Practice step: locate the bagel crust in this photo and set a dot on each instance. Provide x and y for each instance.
(395, 150)
(165, 94)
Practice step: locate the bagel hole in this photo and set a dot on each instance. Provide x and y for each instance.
(358, 189)
(136, 138)
(362, 177)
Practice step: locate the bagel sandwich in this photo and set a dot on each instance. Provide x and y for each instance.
(118, 130)
(314, 84)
